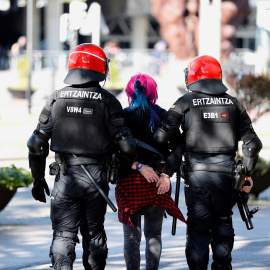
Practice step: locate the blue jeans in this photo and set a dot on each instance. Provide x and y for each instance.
(153, 217)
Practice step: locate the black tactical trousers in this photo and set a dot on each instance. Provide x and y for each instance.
(73, 200)
(209, 200)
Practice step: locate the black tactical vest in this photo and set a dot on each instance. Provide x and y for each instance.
(213, 124)
(80, 121)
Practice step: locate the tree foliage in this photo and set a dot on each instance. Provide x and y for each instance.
(253, 91)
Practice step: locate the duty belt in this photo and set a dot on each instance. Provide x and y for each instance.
(208, 167)
(73, 161)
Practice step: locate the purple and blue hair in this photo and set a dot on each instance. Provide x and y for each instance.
(142, 94)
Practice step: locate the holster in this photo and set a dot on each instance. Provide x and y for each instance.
(182, 169)
(54, 168)
(61, 163)
(112, 169)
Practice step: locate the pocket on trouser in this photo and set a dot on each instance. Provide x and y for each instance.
(65, 212)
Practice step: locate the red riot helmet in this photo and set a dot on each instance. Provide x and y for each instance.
(204, 74)
(87, 62)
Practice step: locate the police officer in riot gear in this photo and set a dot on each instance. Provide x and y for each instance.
(212, 122)
(81, 120)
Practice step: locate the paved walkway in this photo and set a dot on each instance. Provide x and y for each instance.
(25, 236)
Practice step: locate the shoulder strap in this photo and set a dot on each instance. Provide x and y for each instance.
(148, 147)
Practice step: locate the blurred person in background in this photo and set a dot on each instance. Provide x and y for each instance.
(82, 121)
(213, 123)
(158, 55)
(18, 47)
(139, 190)
(19, 62)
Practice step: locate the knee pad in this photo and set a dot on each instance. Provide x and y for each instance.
(98, 251)
(222, 243)
(225, 231)
(197, 249)
(62, 250)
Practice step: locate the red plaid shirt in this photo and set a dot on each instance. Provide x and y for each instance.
(134, 192)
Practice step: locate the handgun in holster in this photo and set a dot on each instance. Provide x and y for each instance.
(54, 168)
(60, 160)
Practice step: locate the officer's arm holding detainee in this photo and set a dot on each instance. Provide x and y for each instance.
(119, 132)
(175, 143)
(167, 132)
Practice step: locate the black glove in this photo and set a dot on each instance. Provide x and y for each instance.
(38, 190)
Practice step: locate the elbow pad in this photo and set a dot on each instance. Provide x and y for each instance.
(161, 136)
(166, 133)
(251, 152)
(38, 151)
(168, 129)
(38, 145)
(254, 147)
(126, 143)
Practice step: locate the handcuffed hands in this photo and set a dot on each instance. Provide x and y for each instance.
(163, 184)
(149, 174)
(246, 188)
(39, 186)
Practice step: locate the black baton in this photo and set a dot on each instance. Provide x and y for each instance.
(109, 202)
(177, 190)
